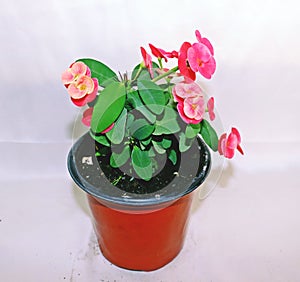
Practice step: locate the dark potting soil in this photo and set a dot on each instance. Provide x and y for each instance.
(96, 176)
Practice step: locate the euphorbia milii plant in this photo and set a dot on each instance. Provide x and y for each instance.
(138, 112)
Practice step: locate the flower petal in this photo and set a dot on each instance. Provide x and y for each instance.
(147, 61)
(210, 107)
(108, 128)
(182, 114)
(86, 83)
(198, 36)
(158, 53)
(237, 134)
(209, 68)
(80, 102)
(88, 97)
(185, 90)
(184, 69)
(189, 108)
(67, 77)
(87, 116)
(221, 144)
(204, 41)
(92, 96)
(78, 68)
(207, 43)
(75, 92)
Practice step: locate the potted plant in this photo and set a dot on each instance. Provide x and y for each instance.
(147, 149)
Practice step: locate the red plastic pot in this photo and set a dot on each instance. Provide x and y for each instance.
(139, 231)
(141, 241)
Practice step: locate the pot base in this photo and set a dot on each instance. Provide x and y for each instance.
(144, 241)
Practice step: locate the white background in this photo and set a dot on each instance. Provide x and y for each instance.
(247, 230)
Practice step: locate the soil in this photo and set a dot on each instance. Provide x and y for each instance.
(95, 175)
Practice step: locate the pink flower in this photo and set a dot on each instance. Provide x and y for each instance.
(197, 58)
(81, 87)
(210, 107)
(186, 90)
(89, 95)
(227, 145)
(201, 60)
(183, 65)
(147, 61)
(75, 71)
(190, 102)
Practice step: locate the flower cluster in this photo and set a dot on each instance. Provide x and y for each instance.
(81, 87)
(139, 113)
(227, 145)
(191, 104)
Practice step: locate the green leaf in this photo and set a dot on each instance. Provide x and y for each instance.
(100, 139)
(184, 143)
(139, 106)
(173, 157)
(168, 124)
(158, 148)
(141, 129)
(117, 133)
(109, 105)
(117, 160)
(166, 143)
(192, 130)
(151, 153)
(142, 163)
(100, 71)
(152, 96)
(130, 119)
(209, 135)
(147, 141)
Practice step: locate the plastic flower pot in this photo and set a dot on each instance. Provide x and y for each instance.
(140, 225)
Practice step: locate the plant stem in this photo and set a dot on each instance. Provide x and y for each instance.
(165, 74)
(137, 74)
(160, 63)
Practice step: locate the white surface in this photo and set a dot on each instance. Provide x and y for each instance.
(248, 229)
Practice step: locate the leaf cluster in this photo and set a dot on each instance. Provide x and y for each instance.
(144, 116)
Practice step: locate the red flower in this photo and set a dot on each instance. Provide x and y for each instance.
(158, 53)
(183, 64)
(147, 61)
(173, 54)
(227, 145)
(162, 54)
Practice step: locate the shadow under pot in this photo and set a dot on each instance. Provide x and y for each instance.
(140, 225)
